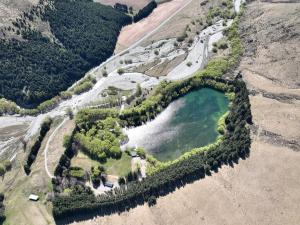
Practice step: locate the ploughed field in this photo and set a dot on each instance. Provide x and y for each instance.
(188, 122)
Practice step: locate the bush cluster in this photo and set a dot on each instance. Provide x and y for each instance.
(2, 209)
(101, 140)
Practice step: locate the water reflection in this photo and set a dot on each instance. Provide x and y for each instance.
(186, 123)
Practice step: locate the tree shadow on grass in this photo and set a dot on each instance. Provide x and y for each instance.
(98, 211)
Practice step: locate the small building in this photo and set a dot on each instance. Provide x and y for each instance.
(108, 184)
(33, 197)
(133, 154)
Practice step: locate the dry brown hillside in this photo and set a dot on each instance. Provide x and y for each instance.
(12, 10)
(136, 4)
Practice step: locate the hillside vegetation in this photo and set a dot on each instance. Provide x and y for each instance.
(35, 68)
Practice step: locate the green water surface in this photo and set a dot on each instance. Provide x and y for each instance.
(193, 123)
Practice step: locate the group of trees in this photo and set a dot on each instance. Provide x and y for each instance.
(144, 12)
(236, 144)
(37, 144)
(102, 140)
(87, 29)
(8, 107)
(225, 11)
(2, 209)
(121, 7)
(36, 69)
(77, 173)
(81, 86)
(5, 167)
(65, 160)
(97, 175)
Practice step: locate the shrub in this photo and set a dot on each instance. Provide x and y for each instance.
(152, 200)
(120, 71)
(2, 170)
(77, 172)
(65, 95)
(83, 87)
(69, 112)
(189, 64)
(8, 107)
(222, 45)
(121, 181)
(67, 141)
(104, 73)
(141, 152)
(7, 165)
(128, 61)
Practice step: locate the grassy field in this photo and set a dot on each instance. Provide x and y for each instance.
(17, 187)
(120, 167)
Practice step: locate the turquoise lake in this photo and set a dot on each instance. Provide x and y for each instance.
(188, 122)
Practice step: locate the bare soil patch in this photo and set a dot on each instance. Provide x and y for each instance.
(132, 33)
(196, 10)
(136, 5)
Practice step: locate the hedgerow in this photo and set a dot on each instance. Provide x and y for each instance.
(45, 127)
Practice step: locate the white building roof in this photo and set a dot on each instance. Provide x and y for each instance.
(33, 197)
